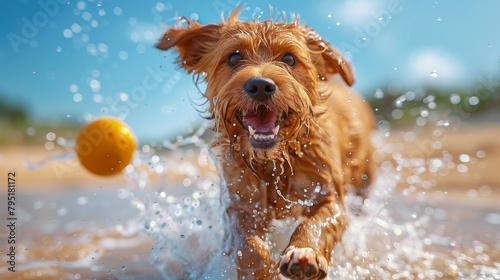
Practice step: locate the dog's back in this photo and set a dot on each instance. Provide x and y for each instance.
(354, 121)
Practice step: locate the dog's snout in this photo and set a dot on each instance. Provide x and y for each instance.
(260, 88)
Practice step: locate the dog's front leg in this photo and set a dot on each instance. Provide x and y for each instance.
(307, 256)
(249, 251)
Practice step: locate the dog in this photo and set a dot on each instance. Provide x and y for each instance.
(290, 135)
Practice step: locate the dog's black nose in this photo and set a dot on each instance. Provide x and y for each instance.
(260, 88)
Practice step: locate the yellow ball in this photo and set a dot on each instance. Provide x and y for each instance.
(105, 146)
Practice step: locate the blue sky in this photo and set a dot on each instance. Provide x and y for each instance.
(81, 59)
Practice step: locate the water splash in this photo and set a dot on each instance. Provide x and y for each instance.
(394, 238)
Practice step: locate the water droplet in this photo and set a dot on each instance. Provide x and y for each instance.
(118, 11)
(95, 85)
(76, 28)
(86, 16)
(434, 73)
(62, 211)
(186, 182)
(30, 131)
(49, 145)
(51, 136)
(421, 121)
(196, 203)
(82, 200)
(455, 98)
(379, 93)
(73, 88)
(102, 47)
(398, 103)
(97, 98)
(464, 158)
(462, 168)
(81, 5)
(397, 114)
(473, 100)
(123, 55)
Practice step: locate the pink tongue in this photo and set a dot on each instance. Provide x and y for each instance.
(263, 121)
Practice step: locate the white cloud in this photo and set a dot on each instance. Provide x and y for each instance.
(358, 12)
(431, 65)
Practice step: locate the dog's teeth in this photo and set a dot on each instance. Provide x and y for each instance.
(251, 130)
(276, 129)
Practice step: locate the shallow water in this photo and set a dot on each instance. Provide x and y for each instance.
(169, 230)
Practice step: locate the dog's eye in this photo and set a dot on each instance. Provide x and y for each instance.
(289, 59)
(234, 59)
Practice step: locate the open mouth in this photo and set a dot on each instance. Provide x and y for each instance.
(262, 125)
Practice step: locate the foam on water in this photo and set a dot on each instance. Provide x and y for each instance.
(186, 227)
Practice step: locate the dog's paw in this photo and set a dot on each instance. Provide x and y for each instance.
(303, 263)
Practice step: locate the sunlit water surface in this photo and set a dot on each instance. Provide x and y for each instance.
(171, 228)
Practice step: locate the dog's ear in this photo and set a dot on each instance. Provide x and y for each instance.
(193, 43)
(327, 59)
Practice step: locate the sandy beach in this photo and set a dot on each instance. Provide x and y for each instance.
(479, 145)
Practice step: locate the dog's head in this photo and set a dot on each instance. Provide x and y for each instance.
(262, 78)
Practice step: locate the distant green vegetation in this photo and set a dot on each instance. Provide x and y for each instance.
(16, 126)
(13, 114)
(396, 105)
(401, 106)
(12, 118)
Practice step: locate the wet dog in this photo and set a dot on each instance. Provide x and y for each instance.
(290, 136)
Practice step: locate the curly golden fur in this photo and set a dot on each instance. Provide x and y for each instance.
(290, 137)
